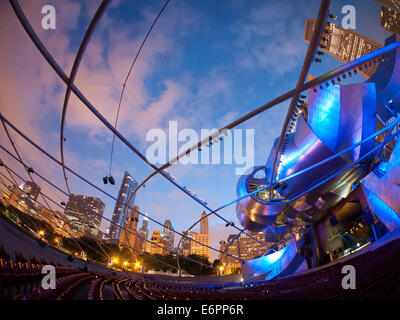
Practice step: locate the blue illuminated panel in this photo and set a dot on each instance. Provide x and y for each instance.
(323, 114)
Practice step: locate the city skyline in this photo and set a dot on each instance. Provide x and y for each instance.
(229, 65)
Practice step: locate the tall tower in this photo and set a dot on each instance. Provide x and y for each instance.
(128, 186)
(390, 20)
(168, 234)
(144, 233)
(84, 213)
(204, 224)
(344, 45)
(30, 193)
(129, 236)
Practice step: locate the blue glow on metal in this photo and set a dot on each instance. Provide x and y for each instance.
(385, 213)
(324, 115)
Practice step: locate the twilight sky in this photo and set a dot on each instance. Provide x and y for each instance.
(205, 64)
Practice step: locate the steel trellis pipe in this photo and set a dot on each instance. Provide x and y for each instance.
(83, 179)
(282, 98)
(318, 30)
(66, 222)
(43, 50)
(136, 235)
(74, 71)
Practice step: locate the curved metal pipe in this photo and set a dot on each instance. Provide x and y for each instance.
(72, 75)
(127, 77)
(312, 48)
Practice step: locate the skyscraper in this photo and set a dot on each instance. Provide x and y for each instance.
(168, 234)
(204, 224)
(390, 20)
(343, 44)
(144, 233)
(391, 3)
(30, 193)
(197, 248)
(157, 244)
(84, 213)
(129, 236)
(186, 243)
(128, 186)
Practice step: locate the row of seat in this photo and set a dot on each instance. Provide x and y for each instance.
(377, 276)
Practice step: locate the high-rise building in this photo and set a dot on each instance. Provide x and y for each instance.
(391, 3)
(204, 223)
(197, 248)
(30, 193)
(144, 233)
(84, 213)
(157, 244)
(343, 44)
(390, 20)
(128, 186)
(129, 235)
(244, 247)
(250, 248)
(169, 234)
(231, 265)
(186, 243)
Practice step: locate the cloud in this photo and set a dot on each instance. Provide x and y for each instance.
(270, 37)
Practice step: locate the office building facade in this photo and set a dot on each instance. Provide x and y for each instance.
(390, 20)
(84, 214)
(343, 44)
(120, 214)
(169, 234)
(129, 235)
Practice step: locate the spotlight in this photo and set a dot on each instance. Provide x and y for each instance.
(322, 46)
(303, 96)
(220, 138)
(333, 17)
(338, 79)
(321, 87)
(1, 163)
(63, 203)
(344, 76)
(317, 60)
(349, 73)
(315, 90)
(111, 180)
(327, 84)
(105, 180)
(320, 53)
(199, 149)
(30, 170)
(333, 82)
(355, 71)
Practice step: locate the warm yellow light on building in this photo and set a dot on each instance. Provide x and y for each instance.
(125, 263)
